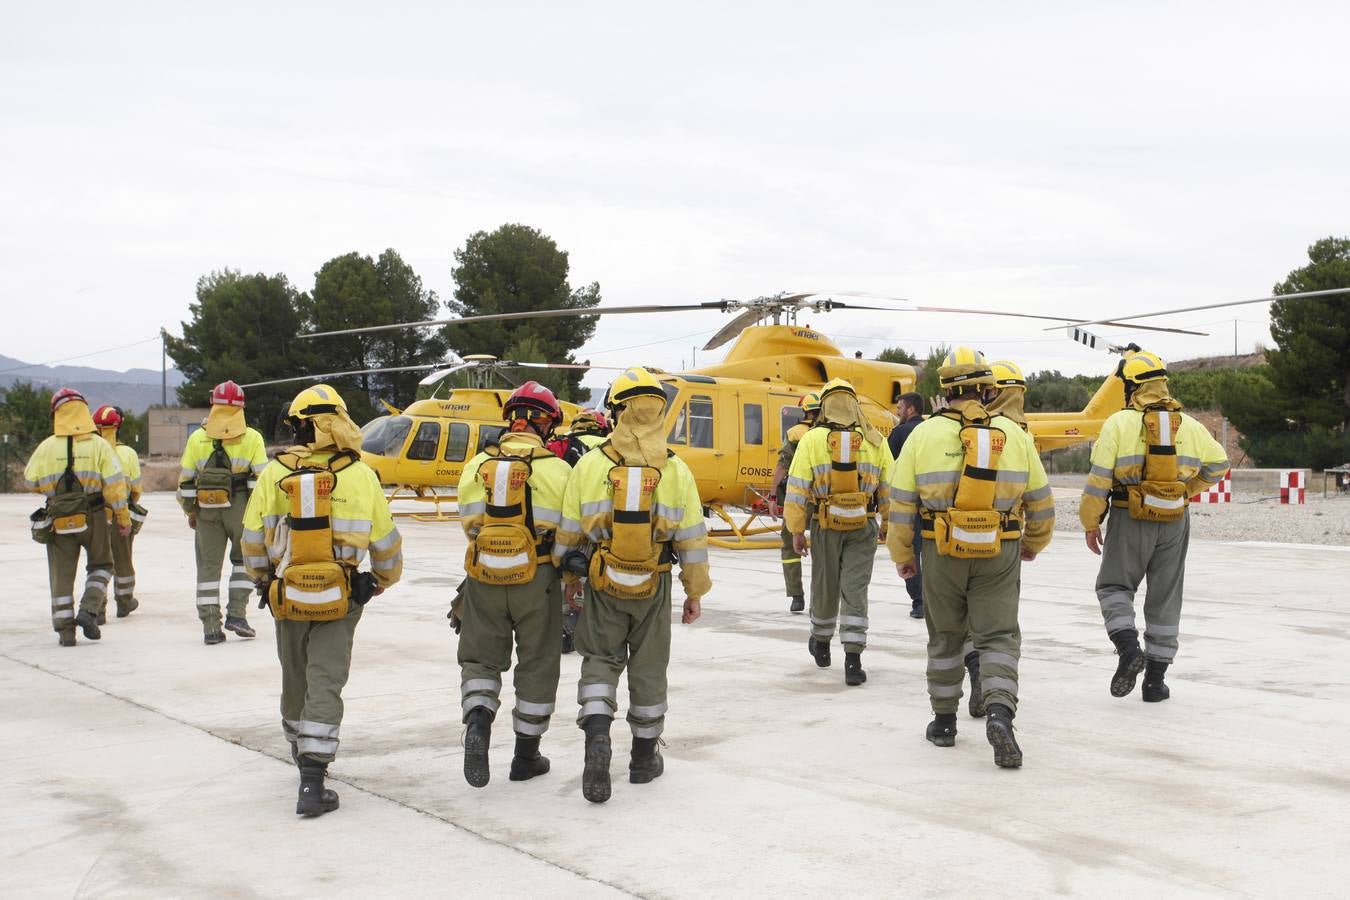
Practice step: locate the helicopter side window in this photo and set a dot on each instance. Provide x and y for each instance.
(425, 442)
(488, 435)
(700, 422)
(385, 435)
(789, 416)
(679, 432)
(753, 423)
(457, 444)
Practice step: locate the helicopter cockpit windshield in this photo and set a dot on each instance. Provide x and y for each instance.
(385, 435)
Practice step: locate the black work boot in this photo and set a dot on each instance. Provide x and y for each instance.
(239, 625)
(798, 603)
(853, 670)
(528, 761)
(314, 799)
(645, 763)
(942, 730)
(820, 650)
(916, 610)
(595, 775)
(126, 609)
(999, 730)
(976, 704)
(477, 737)
(103, 615)
(1154, 690)
(213, 637)
(66, 638)
(1131, 661)
(88, 622)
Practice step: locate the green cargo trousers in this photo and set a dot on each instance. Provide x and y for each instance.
(615, 634)
(792, 566)
(978, 597)
(841, 570)
(217, 529)
(63, 563)
(1136, 551)
(124, 572)
(490, 615)
(316, 658)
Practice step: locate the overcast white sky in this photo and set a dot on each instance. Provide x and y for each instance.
(1065, 158)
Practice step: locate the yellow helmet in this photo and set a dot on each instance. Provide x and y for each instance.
(1007, 374)
(635, 382)
(810, 401)
(315, 401)
(964, 366)
(1142, 366)
(836, 384)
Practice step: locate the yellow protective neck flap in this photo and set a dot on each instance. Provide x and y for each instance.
(639, 436)
(1009, 402)
(109, 435)
(1153, 393)
(842, 409)
(72, 418)
(224, 423)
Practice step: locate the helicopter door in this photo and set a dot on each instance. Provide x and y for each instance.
(753, 451)
(693, 437)
(423, 450)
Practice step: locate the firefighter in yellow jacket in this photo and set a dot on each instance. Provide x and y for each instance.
(317, 515)
(510, 505)
(835, 487)
(975, 486)
(108, 419)
(630, 511)
(791, 559)
(219, 469)
(1149, 459)
(77, 471)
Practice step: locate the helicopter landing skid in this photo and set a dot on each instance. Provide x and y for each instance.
(753, 533)
(444, 506)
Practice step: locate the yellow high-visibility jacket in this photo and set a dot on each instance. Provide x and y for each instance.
(95, 467)
(1118, 460)
(808, 480)
(361, 520)
(247, 453)
(677, 517)
(548, 479)
(131, 468)
(929, 469)
(590, 440)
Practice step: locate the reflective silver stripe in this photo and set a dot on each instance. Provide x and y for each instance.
(126, 579)
(527, 708)
(290, 728)
(272, 521)
(937, 504)
(1093, 491)
(596, 508)
(547, 516)
(995, 683)
(1003, 504)
(1101, 471)
(1213, 471)
(669, 513)
(1011, 476)
(122, 591)
(596, 708)
(904, 496)
(648, 712)
(899, 516)
(358, 525)
(647, 731)
(317, 729)
(479, 700)
(528, 729)
(491, 685)
(1161, 630)
(829, 621)
(693, 556)
(316, 746)
(590, 691)
(944, 690)
(208, 601)
(208, 585)
(241, 584)
(995, 658)
(1035, 494)
(1123, 461)
(257, 562)
(383, 564)
(1192, 461)
(794, 481)
(187, 492)
(1159, 651)
(474, 508)
(693, 531)
(1036, 515)
(256, 537)
(937, 477)
(63, 613)
(570, 526)
(1119, 623)
(946, 662)
(822, 631)
(852, 621)
(821, 470)
(384, 543)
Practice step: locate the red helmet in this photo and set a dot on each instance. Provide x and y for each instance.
(64, 395)
(108, 417)
(227, 393)
(535, 398)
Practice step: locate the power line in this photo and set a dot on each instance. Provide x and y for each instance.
(57, 362)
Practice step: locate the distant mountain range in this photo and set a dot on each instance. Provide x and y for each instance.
(135, 390)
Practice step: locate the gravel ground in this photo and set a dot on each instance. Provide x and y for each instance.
(1316, 522)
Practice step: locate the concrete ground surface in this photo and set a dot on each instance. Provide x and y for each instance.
(148, 764)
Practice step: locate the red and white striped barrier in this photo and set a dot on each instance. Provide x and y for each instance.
(1216, 493)
(1292, 487)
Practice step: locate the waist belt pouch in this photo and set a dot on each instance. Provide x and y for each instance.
(213, 488)
(845, 511)
(69, 512)
(1157, 501)
(138, 514)
(311, 592)
(502, 554)
(626, 579)
(42, 525)
(968, 533)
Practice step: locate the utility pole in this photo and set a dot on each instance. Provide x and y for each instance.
(163, 367)
(1235, 321)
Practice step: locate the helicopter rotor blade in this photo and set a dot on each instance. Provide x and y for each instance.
(738, 324)
(527, 314)
(442, 373)
(1301, 295)
(323, 375)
